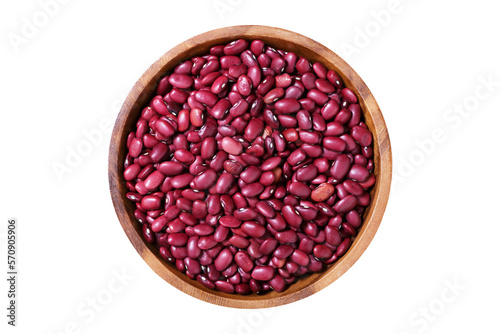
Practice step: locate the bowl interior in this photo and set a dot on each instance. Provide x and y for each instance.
(144, 90)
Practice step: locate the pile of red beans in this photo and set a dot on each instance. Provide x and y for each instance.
(250, 168)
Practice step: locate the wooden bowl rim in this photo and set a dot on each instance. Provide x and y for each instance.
(382, 149)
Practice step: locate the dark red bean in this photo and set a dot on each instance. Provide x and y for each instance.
(287, 106)
(244, 85)
(253, 229)
(229, 221)
(252, 190)
(286, 236)
(223, 260)
(236, 47)
(179, 80)
(262, 273)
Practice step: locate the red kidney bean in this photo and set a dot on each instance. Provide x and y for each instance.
(244, 85)
(236, 47)
(231, 146)
(177, 239)
(286, 236)
(179, 80)
(262, 273)
(334, 144)
(330, 110)
(223, 260)
(343, 247)
(296, 157)
(159, 106)
(361, 135)
(251, 174)
(154, 180)
(340, 167)
(227, 61)
(332, 235)
(135, 147)
(205, 97)
(287, 106)
(229, 221)
(300, 190)
(252, 190)
(307, 173)
(254, 129)
(283, 251)
(309, 137)
(253, 229)
(239, 241)
(233, 167)
(131, 172)
(349, 95)
(358, 173)
(244, 261)
(346, 204)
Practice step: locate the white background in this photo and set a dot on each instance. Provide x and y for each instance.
(423, 62)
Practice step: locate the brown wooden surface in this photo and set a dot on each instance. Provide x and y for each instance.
(143, 91)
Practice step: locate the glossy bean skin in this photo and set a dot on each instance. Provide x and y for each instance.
(250, 167)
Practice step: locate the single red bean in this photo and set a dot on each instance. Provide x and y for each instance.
(334, 143)
(235, 47)
(253, 229)
(307, 173)
(154, 180)
(252, 190)
(361, 135)
(135, 147)
(179, 80)
(205, 180)
(287, 106)
(296, 157)
(343, 247)
(245, 214)
(244, 85)
(353, 187)
(251, 174)
(131, 172)
(159, 106)
(223, 260)
(292, 216)
(340, 167)
(148, 234)
(274, 95)
(150, 202)
(205, 97)
(229, 221)
(349, 95)
(359, 173)
(199, 209)
(227, 61)
(287, 121)
(231, 146)
(330, 110)
(254, 129)
(283, 80)
(224, 183)
(262, 273)
(244, 261)
(300, 190)
(346, 204)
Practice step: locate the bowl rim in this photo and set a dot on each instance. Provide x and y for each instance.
(371, 112)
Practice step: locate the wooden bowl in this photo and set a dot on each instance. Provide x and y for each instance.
(144, 90)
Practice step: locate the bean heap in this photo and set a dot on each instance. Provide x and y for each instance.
(250, 168)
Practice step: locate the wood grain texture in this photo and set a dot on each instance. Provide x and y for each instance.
(143, 91)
